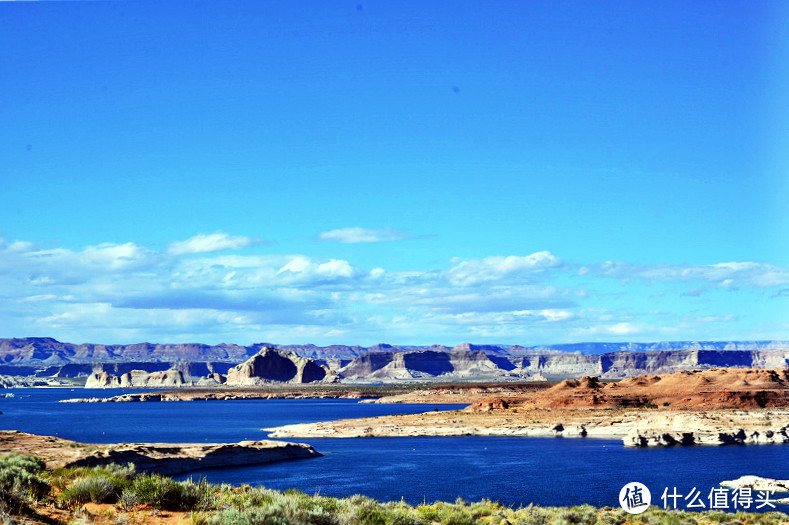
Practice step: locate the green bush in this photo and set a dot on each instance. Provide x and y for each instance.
(128, 499)
(165, 493)
(26, 462)
(20, 481)
(253, 516)
(62, 478)
(95, 487)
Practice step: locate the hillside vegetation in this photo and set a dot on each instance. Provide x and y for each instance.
(116, 495)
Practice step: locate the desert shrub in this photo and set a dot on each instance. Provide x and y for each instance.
(20, 480)
(484, 508)
(128, 499)
(63, 477)
(458, 513)
(252, 516)
(532, 515)
(198, 518)
(157, 491)
(609, 519)
(97, 489)
(243, 497)
(165, 493)
(102, 484)
(428, 513)
(401, 513)
(197, 495)
(26, 462)
(370, 515)
(358, 509)
(279, 508)
(580, 514)
(774, 518)
(331, 505)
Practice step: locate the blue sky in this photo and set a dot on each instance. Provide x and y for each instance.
(403, 172)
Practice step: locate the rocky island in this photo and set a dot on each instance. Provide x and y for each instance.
(163, 458)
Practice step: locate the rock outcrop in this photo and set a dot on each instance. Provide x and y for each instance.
(720, 388)
(419, 364)
(164, 458)
(270, 365)
(177, 458)
(22, 381)
(638, 437)
(214, 379)
(136, 379)
(758, 483)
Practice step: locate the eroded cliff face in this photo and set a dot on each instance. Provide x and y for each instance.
(419, 364)
(46, 357)
(136, 379)
(272, 366)
(22, 381)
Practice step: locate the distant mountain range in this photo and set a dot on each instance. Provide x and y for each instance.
(44, 356)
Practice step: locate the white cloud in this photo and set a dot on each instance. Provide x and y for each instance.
(306, 269)
(475, 271)
(210, 242)
(727, 274)
(116, 256)
(115, 292)
(362, 235)
(616, 329)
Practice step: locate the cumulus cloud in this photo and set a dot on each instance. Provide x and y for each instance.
(362, 235)
(62, 266)
(306, 269)
(210, 242)
(115, 292)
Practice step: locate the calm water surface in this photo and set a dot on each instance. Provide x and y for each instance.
(513, 471)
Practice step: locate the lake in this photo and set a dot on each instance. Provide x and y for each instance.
(514, 471)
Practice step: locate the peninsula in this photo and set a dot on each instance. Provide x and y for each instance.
(162, 458)
(713, 407)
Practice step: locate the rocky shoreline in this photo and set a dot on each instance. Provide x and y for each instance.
(218, 395)
(163, 458)
(635, 428)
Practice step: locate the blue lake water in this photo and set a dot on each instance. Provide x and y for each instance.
(513, 471)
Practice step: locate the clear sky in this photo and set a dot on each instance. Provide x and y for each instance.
(357, 172)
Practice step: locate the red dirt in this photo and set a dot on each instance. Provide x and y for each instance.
(709, 389)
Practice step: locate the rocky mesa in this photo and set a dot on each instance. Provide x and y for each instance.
(272, 365)
(421, 364)
(720, 388)
(201, 364)
(136, 379)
